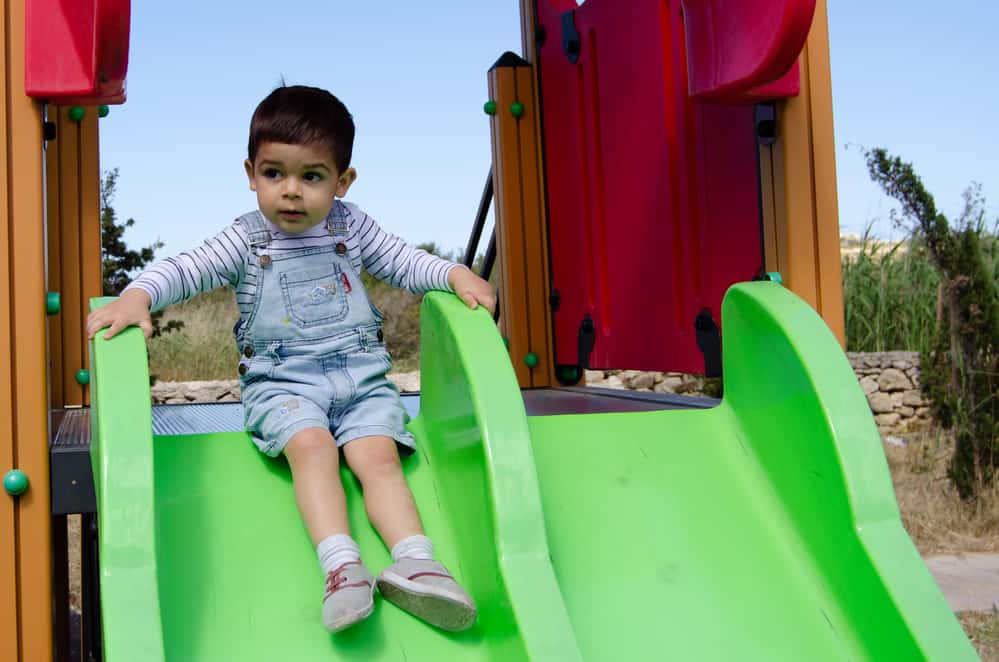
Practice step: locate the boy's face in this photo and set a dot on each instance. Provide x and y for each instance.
(296, 184)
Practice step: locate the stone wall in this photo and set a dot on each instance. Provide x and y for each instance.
(890, 380)
(171, 393)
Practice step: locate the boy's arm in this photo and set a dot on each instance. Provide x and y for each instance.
(216, 263)
(389, 258)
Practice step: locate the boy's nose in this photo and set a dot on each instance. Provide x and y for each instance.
(292, 188)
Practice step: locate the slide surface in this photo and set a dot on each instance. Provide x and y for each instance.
(764, 528)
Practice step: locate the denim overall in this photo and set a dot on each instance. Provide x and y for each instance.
(311, 346)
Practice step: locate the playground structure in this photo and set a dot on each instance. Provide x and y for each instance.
(646, 162)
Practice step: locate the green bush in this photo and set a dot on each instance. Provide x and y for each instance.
(960, 370)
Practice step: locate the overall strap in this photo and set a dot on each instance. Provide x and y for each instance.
(255, 226)
(338, 225)
(338, 222)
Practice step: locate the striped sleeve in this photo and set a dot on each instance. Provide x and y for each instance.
(389, 258)
(219, 262)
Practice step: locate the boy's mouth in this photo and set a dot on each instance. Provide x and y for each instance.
(291, 214)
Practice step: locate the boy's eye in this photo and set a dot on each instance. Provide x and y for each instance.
(313, 177)
(272, 173)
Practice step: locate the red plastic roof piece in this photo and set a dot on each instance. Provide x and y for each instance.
(76, 51)
(737, 49)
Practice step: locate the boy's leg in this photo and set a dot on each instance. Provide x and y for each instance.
(414, 581)
(387, 498)
(315, 468)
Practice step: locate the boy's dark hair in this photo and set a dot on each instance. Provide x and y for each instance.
(300, 115)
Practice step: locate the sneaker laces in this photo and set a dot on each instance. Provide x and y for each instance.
(336, 579)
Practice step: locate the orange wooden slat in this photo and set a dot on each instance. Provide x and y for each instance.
(534, 240)
(31, 393)
(88, 163)
(824, 175)
(54, 266)
(533, 152)
(527, 37)
(804, 165)
(799, 266)
(8, 460)
(69, 227)
(509, 222)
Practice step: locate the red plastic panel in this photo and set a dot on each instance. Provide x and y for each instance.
(788, 85)
(653, 198)
(76, 50)
(734, 46)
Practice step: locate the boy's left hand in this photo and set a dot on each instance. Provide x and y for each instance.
(472, 289)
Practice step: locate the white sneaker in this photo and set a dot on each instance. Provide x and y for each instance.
(349, 596)
(428, 591)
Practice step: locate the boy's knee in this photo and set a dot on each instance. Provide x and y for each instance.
(310, 442)
(372, 458)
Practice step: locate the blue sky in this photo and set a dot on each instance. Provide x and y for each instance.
(917, 80)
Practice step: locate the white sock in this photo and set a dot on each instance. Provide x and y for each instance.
(414, 547)
(336, 550)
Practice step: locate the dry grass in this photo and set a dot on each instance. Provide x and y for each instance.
(75, 578)
(983, 631)
(938, 521)
(204, 348)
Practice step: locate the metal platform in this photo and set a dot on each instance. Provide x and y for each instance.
(590, 400)
(72, 477)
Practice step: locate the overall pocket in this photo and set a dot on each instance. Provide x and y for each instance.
(314, 295)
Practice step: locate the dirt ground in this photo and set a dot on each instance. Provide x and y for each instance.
(983, 631)
(936, 518)
(939, 522)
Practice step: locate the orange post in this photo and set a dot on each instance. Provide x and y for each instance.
(801, 220)
(23, 394)
(8, 460)
(521, 232)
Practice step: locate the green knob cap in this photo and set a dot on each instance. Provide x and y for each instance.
(569, 373)
(489, 107)
(531, 359)
(15, 482)
(517, 109)
(774, 277)
(83, 376)
(76, 113)
(103, 111)
(53, 303)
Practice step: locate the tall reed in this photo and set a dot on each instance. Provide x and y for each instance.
(890, 297)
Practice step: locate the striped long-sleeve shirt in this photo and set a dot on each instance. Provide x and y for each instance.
(221, 260)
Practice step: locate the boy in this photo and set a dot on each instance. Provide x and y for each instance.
(313, 362)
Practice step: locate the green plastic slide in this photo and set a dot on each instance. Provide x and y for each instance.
(764, 528)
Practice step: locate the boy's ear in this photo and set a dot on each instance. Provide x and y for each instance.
(348, 177)
(248, 164)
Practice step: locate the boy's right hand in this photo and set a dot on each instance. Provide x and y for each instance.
(130, 309)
